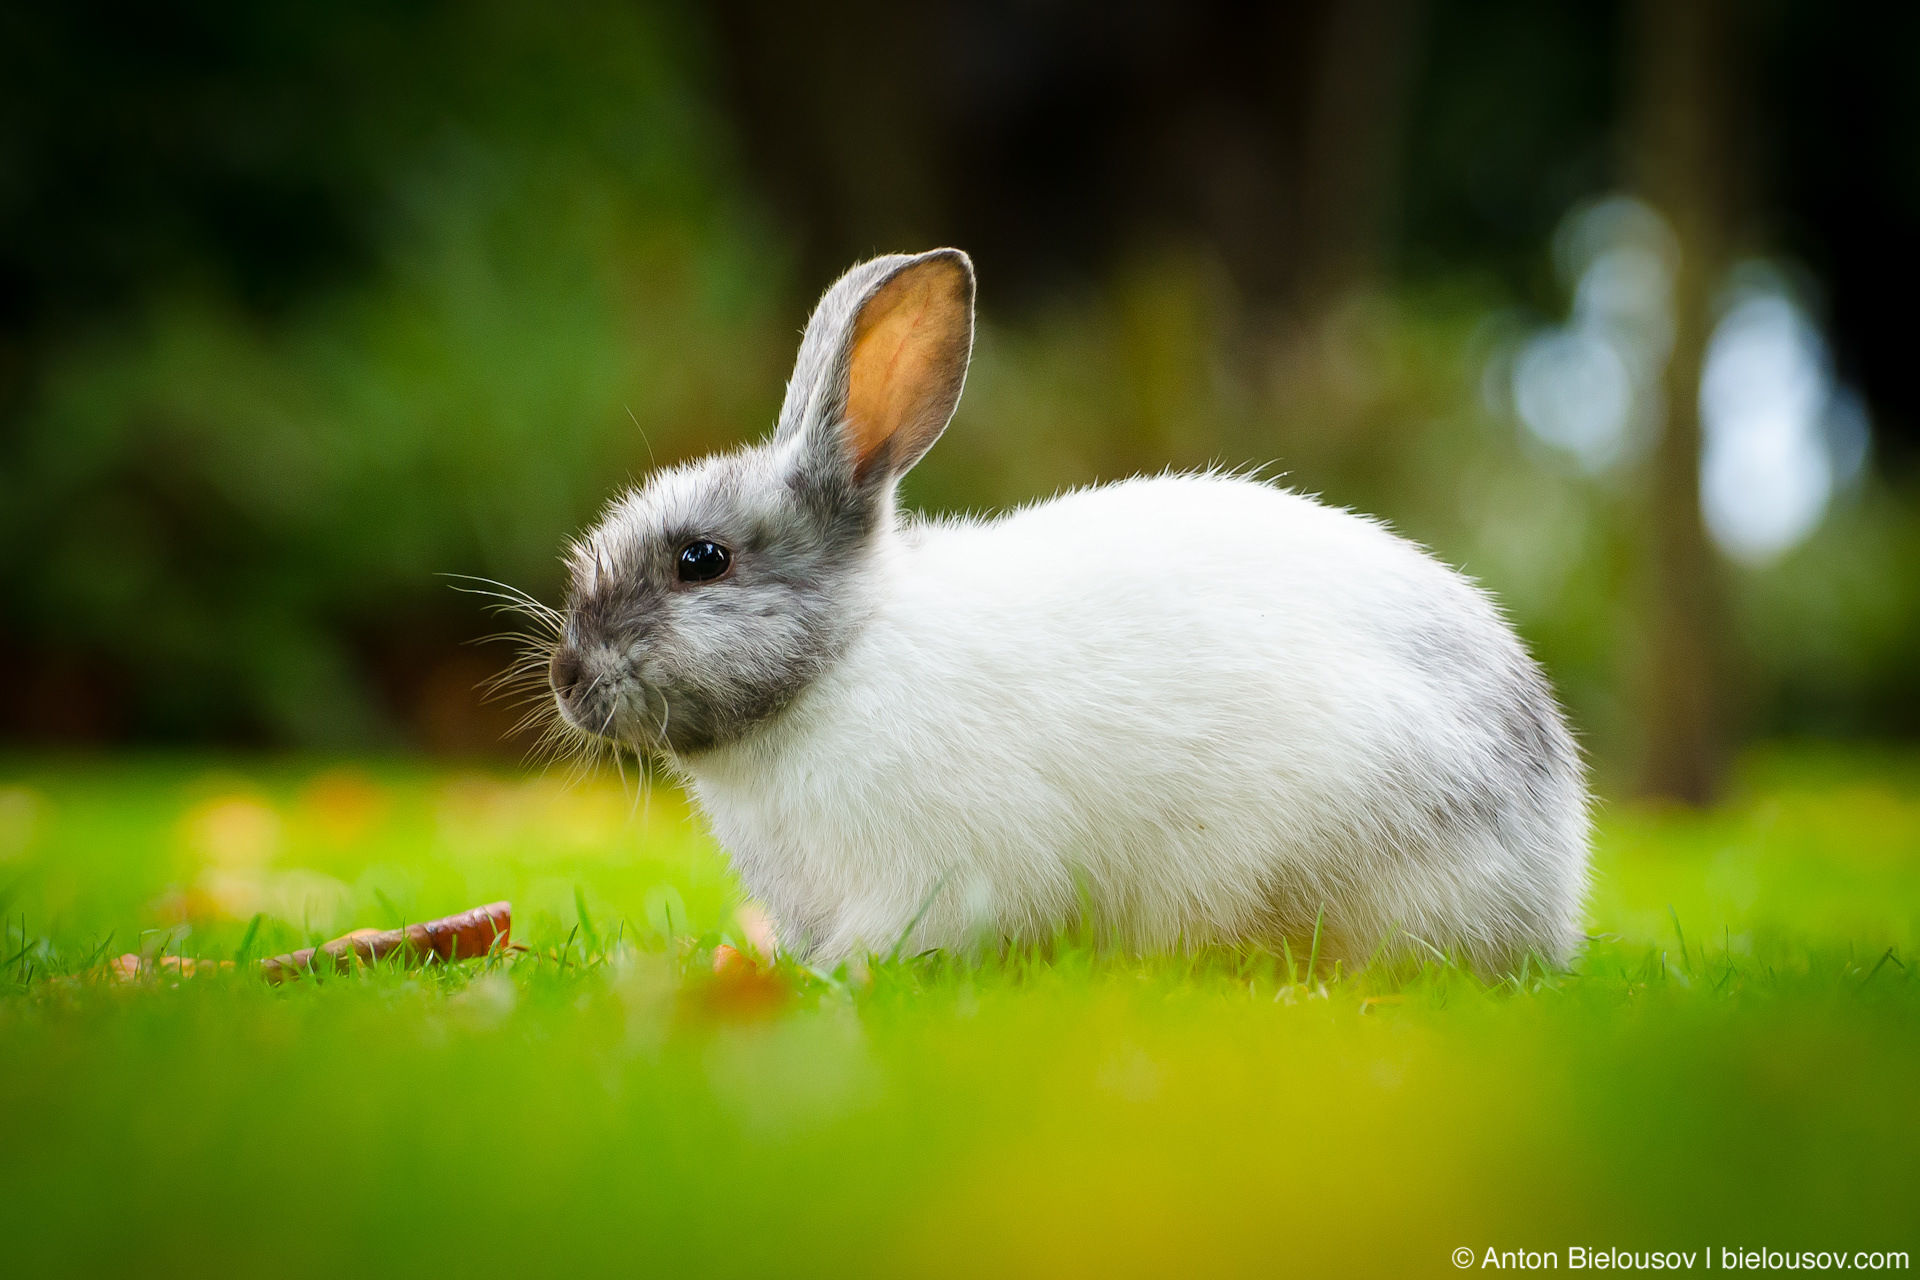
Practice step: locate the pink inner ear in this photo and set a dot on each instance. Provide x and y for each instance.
(909, 353)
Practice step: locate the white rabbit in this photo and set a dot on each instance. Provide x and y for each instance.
(1198, 708)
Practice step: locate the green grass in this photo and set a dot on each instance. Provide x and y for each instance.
(1735, 1063)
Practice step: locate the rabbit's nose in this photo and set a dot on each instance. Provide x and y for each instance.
(564, 673)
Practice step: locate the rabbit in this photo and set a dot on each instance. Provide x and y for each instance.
(1178, 711)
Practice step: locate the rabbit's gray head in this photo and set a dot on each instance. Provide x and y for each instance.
(707, 599)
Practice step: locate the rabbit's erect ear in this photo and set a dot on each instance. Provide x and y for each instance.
(882, 363)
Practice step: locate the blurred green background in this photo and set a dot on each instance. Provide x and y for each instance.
(303, 305)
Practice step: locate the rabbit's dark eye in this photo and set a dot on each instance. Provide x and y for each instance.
(703, 561)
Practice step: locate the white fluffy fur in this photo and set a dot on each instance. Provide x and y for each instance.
(1202, 708)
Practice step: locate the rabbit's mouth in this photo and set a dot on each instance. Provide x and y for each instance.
(606, 701)
(657, 692)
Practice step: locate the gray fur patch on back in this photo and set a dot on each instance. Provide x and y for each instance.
(1516, 779)
(1488, 664)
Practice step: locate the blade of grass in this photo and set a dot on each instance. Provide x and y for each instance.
(1313, 957)
(926, 905)
(395, 920)
(245, 949)
(1384, 943)
(28, 944)
(1685, 959)
(1878, 965)
(97, 952)
(1445, 961)
(586, 921)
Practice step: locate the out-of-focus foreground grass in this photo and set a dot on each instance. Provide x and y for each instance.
(1731, 1065)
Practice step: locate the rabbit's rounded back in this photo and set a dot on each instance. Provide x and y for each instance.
(1201, 708)
(1205, 709)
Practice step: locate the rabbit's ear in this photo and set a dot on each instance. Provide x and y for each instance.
(882, 364)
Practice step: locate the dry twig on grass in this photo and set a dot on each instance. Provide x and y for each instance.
(467, 936)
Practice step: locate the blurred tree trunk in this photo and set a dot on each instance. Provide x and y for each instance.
(1684, 151)
(1354, 130)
